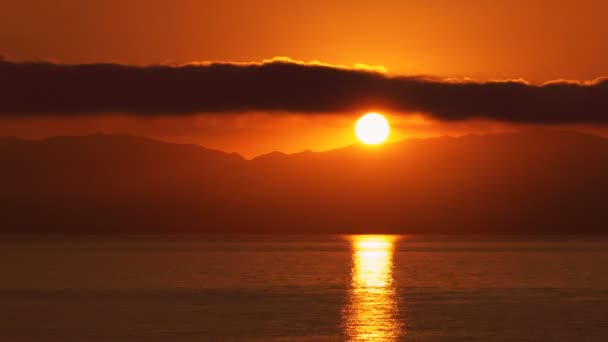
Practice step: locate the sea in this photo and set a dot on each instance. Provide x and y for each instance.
(303, 288)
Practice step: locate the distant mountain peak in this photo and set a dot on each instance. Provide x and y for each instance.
(520, 182)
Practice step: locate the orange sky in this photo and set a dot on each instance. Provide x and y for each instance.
(254, 134)
(534, 40)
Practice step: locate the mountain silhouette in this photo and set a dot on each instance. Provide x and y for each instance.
(526, 182)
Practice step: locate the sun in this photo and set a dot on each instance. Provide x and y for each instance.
(372, 129)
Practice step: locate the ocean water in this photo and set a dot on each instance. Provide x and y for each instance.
(304, 288)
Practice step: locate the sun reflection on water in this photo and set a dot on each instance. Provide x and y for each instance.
(372, 310)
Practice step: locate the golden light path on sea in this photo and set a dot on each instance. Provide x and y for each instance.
(372, 310)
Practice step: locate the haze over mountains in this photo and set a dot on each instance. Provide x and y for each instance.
(527, 182)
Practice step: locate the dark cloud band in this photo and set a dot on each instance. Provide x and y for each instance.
(46, 88)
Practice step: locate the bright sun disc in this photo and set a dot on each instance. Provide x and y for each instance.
(372, 128)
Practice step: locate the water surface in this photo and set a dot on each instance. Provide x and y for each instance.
(304, 288)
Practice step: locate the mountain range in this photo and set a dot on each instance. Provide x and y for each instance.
(529, 182)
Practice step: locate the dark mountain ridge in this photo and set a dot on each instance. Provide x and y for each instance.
(526, 182)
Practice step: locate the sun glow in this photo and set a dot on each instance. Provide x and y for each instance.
(372, 244)
(372, 129)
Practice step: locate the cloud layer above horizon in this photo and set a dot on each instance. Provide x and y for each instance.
(285, 86)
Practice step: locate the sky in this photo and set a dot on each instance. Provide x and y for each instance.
(533, 42)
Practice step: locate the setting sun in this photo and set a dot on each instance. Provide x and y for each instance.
(372, 128)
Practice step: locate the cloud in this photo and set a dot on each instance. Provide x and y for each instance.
(285, 85)
(288, 60)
